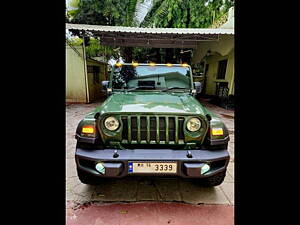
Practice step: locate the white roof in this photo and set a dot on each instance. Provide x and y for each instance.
(118, 29)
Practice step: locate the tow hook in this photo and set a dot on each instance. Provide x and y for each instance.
(115, 155)
(189, 154)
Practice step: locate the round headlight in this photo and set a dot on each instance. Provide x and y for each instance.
(194, 124)
(111, 123)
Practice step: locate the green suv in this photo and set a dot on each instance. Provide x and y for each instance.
(151, 125)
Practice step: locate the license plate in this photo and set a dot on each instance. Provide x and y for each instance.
(152, 167)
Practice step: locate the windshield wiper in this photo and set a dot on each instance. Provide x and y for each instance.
(141, 87)
(170, 88)
(131, 89)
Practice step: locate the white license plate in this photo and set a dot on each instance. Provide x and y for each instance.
(152, 167)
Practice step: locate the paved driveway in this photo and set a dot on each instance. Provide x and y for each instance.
(142, 189)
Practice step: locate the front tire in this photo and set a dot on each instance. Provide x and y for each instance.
(87, 178)
(214, 180)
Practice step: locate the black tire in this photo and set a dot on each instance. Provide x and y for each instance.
(218, 147)
(87, 178)
(214, 180)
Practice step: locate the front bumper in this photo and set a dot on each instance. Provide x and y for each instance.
(117, 167)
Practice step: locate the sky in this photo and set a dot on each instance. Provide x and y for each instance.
(67, 4)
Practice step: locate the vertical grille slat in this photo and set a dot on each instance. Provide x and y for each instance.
(180, 128)
(152, 129)
(125, 128)
(138, 129)
(176, 130)
(157, 129)
(172, 130)
(167, 129)
(162, 129)
(129, 128)
(143, 128)
(147, 129)
(134, 129)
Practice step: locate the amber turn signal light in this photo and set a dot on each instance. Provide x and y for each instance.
(217, 131)
(88, 130)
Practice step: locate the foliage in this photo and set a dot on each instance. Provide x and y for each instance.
(75, 41)
(164, 13)
(157, 13)
(94, 48)
(141, 54)
(186, 14)
(74, 3)
(105, 12)
(130, 11)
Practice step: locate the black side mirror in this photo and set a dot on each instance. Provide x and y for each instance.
(198, 87)
(105, 84)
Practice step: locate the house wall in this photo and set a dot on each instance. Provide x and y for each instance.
(220, 50)
(75, 78)
(211, 77)
(223, 46)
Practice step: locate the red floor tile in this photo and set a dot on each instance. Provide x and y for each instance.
(148, 213)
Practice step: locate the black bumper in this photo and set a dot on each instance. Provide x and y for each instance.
(118, 166)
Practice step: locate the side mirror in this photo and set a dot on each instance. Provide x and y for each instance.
(105, 84)
(198, 87)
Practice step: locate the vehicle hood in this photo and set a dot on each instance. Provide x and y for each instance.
(155, 102)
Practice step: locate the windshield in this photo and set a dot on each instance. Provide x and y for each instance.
(151, 77)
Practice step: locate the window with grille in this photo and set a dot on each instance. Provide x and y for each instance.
(222, 69)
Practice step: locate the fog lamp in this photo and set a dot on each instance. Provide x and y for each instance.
(205, 168)
(100, 168)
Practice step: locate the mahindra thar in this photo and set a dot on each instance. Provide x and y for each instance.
(151, 124)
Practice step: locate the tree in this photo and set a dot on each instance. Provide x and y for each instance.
(164, 13)
(186, 14)
(105, 12)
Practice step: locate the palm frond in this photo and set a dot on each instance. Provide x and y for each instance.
(157, 15)
(130, 13)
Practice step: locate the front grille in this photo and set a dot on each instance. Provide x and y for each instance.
(146, 129)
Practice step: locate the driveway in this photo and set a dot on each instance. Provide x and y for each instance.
(142, 189)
